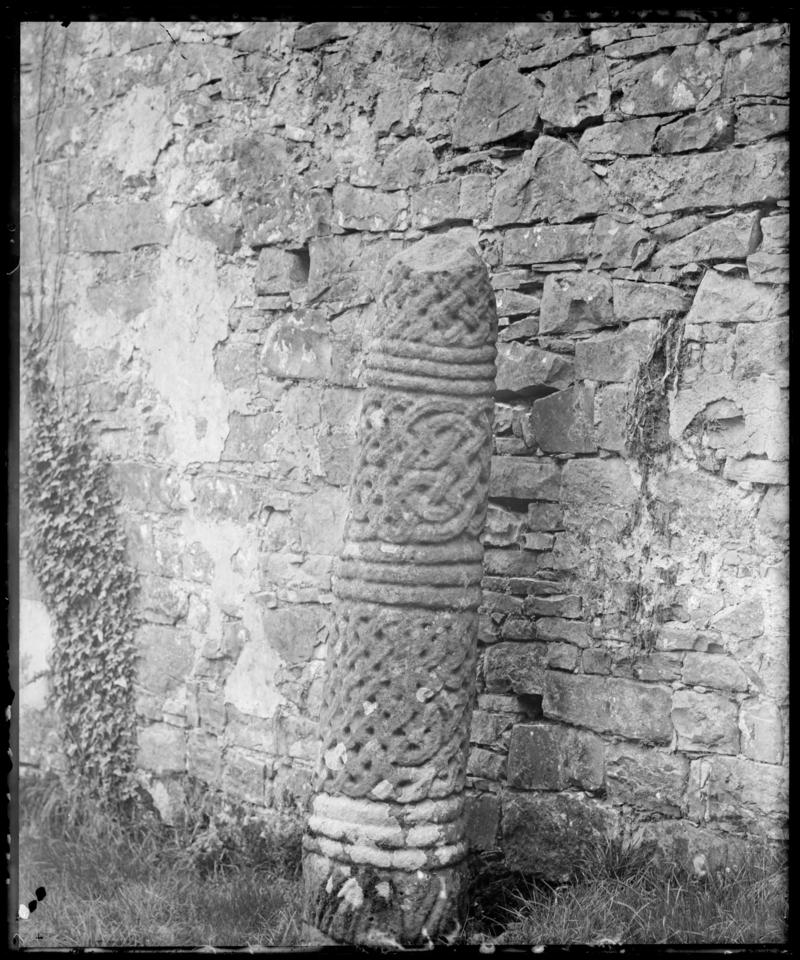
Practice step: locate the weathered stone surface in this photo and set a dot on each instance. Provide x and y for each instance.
(615, 356)
(468, 42)
(625, 138)
(755, 470)
(554, 52)
(697, 131)
(638, 711)
(757, 121)
(644, 39)
(315, 34)
(497, 103)
(489, 728)
(549, 835)
(545, 516)
(731, 238)
(619, 244)
(279, 271)
(721, 178)
(597, 486)
(699, 851)
(564, 421)
(713, 670)
(773, 514)
(647, 779)
(768, 267)
(738, 791)
(298, 347)
(637, 301)
(558, 605)
(250, 437)
(546, 244)
(775, 233)
(550, 182)
(407, 592)
(761, 731)
(511, 563)
(560, 628)
(107, 227)
(575, 91)
(705, 721)
(663, 84)
(761, 71)
(547, 756)
(147, 487)
(347, 268)
(573, 302)
(161, 749)
(159, 600)
(435, 204)
(486, 764)
(357, 208)
(528, 371)
(515, 668)
(482, 821)
(610, 416)
(512, 303)
(475, 196)
(503, 527)
(524, 478)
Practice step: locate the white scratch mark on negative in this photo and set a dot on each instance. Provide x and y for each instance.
(352, 893)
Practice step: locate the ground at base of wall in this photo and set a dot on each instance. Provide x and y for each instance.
(87, 882)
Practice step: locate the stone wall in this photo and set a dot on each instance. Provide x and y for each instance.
(229, 193)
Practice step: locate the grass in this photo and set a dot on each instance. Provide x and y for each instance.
(622, 896)
(143, 884)
(216, 880)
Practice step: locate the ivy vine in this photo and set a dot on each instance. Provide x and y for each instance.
(76, 548)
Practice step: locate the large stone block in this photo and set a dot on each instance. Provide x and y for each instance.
(542, 243)
(757, 121)
(547, 756)
(720, 178)
(665, 83)
(482, 821)
(548, 835)
(346, 267)
(161, 749)
(592, 486)
(625, 138)
(358, 208)
(755, 470)
(235, 364)
(731, 238)
(738, 791)
(564, 421)
(761, 731)
(529, 371)
(435, 204)
(525, 478)
(298, 347)
(164, 658)
(638, 711)
(552, 183)
(768, 267)
(410, 162)
(705, 721)
(244, 775)
(226, 498)
(615, 356)
(639, 301)
(515, 668)
(697, 131)
(575, 90)
(279, 271)
(758, 71)
(574, 302)
(647, 779)
(486, 764)
(146, 487)
(503, 527)
(512, 303)
(498, 102)
(161, 601)
(250, 437)
(561, 628)
(610, 415)
(725, 299)
(713, 670)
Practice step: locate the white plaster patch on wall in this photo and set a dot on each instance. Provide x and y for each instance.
(251, 685)
(177, 339)
(137, 130)
(35, 639)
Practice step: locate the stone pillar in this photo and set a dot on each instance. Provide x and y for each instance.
(384, 851)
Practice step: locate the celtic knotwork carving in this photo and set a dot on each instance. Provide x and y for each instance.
(398, 686)
(423, 471)
(400, 679)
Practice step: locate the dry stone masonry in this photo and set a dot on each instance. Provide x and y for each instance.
(226, 196)
(386, 845)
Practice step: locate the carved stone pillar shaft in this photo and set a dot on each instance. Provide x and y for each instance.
(384, 848)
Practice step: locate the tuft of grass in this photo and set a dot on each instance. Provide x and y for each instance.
(623, 896)
(115, 881)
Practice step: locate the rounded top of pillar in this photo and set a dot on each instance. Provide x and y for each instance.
(437, 293)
